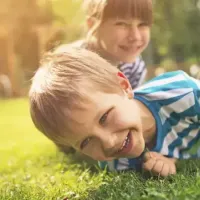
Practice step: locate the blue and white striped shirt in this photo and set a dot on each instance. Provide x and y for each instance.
(174, 100)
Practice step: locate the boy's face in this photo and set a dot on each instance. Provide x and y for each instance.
(124, 39)
(108, 126)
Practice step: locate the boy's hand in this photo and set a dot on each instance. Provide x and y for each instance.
(159, 164)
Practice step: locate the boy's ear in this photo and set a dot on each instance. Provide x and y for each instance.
(125, 84)
(90, 22)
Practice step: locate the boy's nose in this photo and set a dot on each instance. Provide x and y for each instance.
(109, 144)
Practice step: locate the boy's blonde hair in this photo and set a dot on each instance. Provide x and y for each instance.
(61, 84)
(101, 10)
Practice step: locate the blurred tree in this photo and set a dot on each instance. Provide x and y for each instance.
(20, 20)
(68, 15)
(25, 15)
(176, 29)
(193, 22)
(67, 22)
(27, 47)
(7, 80)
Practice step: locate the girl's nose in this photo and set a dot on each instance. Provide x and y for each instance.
(134, 33)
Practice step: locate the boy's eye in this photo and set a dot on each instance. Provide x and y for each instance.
(103, 119)
(85, 142)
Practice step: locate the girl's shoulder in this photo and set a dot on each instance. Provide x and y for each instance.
(61, 48)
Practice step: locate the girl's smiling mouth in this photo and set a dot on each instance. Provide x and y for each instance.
(131, 49)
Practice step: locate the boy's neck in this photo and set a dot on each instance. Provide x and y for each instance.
(148, 124)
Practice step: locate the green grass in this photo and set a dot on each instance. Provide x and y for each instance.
(31, 168)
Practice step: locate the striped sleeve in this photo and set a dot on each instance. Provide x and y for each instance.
(174, 100)
(135, 72)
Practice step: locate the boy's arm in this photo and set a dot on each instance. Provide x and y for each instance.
(159, 164)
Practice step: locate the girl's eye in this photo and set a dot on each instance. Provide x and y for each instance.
(121, 24)
(85, 142)
(103, 119)
(143, 24)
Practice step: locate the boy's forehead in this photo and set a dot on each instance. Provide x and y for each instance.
(78, 109)
(79, 119)
(87, 108)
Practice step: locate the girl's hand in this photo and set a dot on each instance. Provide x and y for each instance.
(159, 164)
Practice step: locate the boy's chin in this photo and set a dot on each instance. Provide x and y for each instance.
(132, 155)
(137, 152)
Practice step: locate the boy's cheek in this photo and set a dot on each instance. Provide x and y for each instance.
(98, 157)
(104, 159)
(101, 157)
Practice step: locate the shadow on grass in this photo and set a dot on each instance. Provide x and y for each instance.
(130, 185)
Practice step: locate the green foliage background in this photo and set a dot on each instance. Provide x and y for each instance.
(176, 30)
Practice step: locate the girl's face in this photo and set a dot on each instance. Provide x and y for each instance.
(122, 40)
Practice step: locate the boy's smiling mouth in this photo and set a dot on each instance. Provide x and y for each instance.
(127, 144)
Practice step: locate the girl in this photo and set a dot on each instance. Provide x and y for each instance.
(119, 31)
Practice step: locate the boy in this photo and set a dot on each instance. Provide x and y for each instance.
(79, 99)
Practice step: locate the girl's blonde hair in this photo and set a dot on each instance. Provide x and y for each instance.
(101, 10)
(61, 84)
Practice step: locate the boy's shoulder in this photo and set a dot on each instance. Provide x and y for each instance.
(170, 82)
(179, 77)
(171, 74)
(172, 78)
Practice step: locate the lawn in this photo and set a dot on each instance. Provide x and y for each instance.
(31, 168)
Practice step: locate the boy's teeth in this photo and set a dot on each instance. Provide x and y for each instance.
(126, 141)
